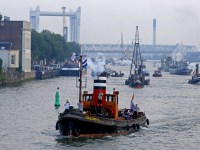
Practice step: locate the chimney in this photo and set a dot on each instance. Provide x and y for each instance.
(99, 86)
(154, 31)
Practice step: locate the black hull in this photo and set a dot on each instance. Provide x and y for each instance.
(73, 125)
(120, 75)
(136, 84)
(72, 72)
(194, 81)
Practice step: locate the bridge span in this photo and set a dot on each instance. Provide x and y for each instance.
(118, 48)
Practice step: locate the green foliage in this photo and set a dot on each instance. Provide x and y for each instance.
(1, 63)
(19, 69)
(1, 16)
(51, 46)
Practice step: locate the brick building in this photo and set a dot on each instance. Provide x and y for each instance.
(19, 34)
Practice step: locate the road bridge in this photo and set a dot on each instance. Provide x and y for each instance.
(118, 48)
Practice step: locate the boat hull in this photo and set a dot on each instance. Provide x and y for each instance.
(180, 71)
(72, 72)
(73, 125)
(194, 81)
(157, 75)
(136, 84)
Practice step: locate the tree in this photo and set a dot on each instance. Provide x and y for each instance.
(51, 46)
(1, 16)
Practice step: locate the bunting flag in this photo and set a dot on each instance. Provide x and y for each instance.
(84, 63)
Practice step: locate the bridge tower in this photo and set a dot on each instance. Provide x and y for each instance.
(65, 28)
(75, 21)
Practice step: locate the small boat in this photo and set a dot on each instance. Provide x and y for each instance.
(196, 77)
(157, 73)
(116, 74)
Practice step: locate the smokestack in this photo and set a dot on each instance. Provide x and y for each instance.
(154, 31)
(99, 87)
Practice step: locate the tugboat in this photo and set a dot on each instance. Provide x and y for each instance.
(116, 74)
(157, 73)
(137, 79)
(196, 77)
(99, 117)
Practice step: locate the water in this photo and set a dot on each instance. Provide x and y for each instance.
(28, 116)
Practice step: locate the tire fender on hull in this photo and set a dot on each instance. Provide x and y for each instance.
(134, 126)
(147, 121)
(127, 127)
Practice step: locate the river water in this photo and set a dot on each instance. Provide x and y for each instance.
(28, 115)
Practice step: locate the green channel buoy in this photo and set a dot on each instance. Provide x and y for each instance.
(57, 100)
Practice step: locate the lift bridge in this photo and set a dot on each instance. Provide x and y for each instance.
(118, 48)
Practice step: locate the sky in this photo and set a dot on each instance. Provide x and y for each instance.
(103, 21)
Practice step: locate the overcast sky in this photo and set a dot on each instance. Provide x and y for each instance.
(102, 21)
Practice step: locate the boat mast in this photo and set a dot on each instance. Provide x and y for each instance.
(80, 80)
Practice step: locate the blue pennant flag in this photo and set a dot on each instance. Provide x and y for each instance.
(84, 63)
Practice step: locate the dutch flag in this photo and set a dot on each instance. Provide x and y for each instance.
(84, 63)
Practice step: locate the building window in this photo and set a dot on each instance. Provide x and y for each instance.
(12, 59)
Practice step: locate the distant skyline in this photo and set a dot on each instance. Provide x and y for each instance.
(102, 22)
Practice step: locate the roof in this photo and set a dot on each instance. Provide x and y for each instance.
(5, 45)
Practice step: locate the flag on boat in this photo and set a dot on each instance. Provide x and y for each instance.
(84, 63)
(132, 97)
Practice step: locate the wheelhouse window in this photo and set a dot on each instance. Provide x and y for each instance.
(12, 59)
(87, 98)
(109, 98)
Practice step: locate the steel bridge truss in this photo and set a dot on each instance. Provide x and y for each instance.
(117, 48)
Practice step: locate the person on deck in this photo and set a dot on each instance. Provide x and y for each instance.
(67, 104)
(136, 110)
(100, 98)
(126, 115)
(80, 106)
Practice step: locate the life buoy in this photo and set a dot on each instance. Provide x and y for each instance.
(77, 132)
(147, 121)
(138, 126)
(134, 126)
(127, 127)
